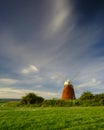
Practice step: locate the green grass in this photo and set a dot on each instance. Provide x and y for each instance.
(60, 118)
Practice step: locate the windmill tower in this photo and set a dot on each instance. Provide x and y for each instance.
(68, 91)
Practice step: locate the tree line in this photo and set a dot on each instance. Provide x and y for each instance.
(86, 99)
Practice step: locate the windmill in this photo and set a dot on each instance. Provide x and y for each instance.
(68, 89)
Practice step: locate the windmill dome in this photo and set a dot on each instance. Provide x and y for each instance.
(67, 82)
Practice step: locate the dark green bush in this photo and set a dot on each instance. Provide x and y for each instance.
(77, 102)
(87, 96)
(99, 97)
(101, 102)
(31, 98)
(57, 103)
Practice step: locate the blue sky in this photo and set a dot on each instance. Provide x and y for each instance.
(40, 40)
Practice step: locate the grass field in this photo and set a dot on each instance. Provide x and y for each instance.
(60, 118)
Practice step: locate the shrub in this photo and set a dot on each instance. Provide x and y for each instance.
(31, 98)
(86, 96)
(57, 103)
(12, 104)
(77, 102)
(99, 97)
(102, 102)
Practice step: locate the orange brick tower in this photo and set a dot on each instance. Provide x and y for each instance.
(68, 91)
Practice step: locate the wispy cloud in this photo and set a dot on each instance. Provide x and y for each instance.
(30, 69)
(18, 93)
(57, 21)
(92, 83)
(8, 81)
(60, 13)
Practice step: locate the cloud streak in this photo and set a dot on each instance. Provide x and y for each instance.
(8, 81)
(10, 93)
(30, 69)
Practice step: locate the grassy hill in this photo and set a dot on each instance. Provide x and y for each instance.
(56, 118)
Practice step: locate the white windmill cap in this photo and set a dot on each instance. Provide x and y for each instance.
(67, 82)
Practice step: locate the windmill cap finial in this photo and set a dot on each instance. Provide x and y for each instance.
(67, 82)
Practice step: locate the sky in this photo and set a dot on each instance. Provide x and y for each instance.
(45, 42)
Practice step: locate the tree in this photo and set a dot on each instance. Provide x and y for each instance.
(31, 98)
(86, 96)
(99, 96)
